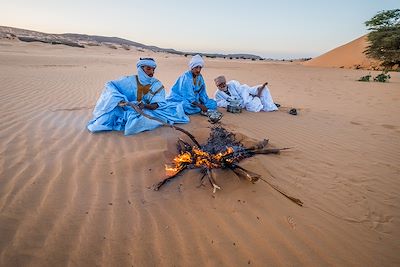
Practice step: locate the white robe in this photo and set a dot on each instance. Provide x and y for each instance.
(247, 96)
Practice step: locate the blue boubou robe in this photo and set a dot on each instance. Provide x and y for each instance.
(188, 90)
(108, 116)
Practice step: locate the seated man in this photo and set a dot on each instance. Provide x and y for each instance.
(113, 112)
(190, 89)
(253, 99)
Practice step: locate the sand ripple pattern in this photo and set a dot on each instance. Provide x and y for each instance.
(71, 198)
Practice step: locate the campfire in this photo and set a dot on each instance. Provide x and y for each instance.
(221, 151)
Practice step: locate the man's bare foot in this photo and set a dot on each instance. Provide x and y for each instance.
(261, 88)
(259, 91)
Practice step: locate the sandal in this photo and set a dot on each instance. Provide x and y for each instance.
(293, 111)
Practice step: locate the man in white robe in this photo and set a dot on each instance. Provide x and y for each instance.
(256, 98)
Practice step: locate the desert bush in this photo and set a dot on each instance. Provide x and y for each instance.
(382, 78)
(365, 78)
(112, 46)
(126, 47)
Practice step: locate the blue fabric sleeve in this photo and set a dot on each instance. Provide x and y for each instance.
(108, 100)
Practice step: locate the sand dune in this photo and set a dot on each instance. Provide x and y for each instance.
(68, 197)
(349, 56)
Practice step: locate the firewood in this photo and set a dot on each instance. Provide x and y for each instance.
(221, 151)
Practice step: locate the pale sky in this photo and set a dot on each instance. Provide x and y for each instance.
(272, 29)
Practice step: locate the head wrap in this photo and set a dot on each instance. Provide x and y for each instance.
(143, 77)
(146, 62)
(219, 80)
(196, 61)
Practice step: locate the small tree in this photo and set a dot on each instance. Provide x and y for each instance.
(384, 38)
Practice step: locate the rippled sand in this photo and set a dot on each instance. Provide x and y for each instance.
(69, 197)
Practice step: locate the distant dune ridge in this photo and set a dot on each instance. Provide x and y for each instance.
(82, 40)
(349, 56)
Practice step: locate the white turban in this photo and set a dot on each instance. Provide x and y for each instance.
(196, 61)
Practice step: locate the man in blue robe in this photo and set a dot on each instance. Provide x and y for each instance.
(113, 112)
(190, 89)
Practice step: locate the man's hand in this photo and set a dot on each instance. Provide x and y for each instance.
(150, 106)
(141, 105)
(201, 106)
(122, 103)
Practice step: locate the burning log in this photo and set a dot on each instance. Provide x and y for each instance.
(221, 151)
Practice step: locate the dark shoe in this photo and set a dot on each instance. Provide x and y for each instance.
(277, 105)
(293, 111)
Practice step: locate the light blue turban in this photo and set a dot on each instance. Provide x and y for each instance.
(146, 62)
(143, 77)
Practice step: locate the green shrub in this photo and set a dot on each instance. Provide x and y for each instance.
(365, 78)
(382, 78)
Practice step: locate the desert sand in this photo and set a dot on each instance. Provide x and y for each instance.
(349, 55)
(72, 198)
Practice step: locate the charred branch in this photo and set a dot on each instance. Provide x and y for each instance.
(221, 151)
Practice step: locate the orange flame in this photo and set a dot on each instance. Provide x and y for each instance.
(197, 157)
(170, 171)
(183, 158)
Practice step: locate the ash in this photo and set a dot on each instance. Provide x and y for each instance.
(220, 139)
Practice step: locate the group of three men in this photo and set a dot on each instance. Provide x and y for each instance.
(117, 107)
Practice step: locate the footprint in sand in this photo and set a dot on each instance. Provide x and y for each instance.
(291, 222)
(379, 221)
(355, 123)
(388, 126)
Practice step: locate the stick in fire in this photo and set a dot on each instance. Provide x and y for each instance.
(223, 151)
